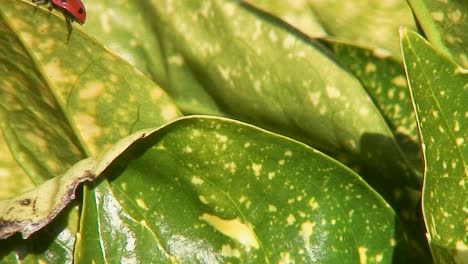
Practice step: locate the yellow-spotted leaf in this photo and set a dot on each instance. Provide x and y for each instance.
(385, 81)
(297, 13)
(30, 211)
(370, 23)
(211, 190)
(439, 90)
(445, 24)
(61, 101)
(261, 70)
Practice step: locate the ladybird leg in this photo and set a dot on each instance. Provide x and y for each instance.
(69, 27)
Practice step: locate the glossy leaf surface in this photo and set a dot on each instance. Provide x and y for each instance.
(445, 23)
(58, 104)
(439, 89)
(370, 23)
(215, 190)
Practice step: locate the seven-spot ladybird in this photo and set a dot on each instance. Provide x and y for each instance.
(73, 10)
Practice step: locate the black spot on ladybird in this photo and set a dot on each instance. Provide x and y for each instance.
(80, 11)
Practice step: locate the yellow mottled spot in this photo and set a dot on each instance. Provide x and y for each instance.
(288, 153)
(91, 91)
(391, 93)
(291, 219)
(314, 98)
(229, 9)
(176, 60)
(42, 261)
(281, 162)
(89, 129)
(456, 126)
(378, 258)
(55, 70)
(392, 242)
(288, 42)
(461, 252)
(228, 251)
(399, 81)
(242, 199)
(141, 204)
(285, 258)
(273, 36)
(455, 16)
(381, 53)
(362, 255)
(257, 168)
(271, 175)
(169, 112)
(221, 138)
(231, 166)
(188, 149)
(234, 229)
(203, 199)
(258, 86)
(453, 164)
(332, 91)
(272, 208)
(370, 67)
(313, 204)
(438, 16)
(156, 93)
(258, 30)
(364, 111)
(459, 141)
(225, 73)
(197, 180)
(306, 231)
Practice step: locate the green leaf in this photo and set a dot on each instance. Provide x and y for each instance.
(439, 91)
(216, 190)
(113, 24)
(385, 81)
(60, 102)
(445, 23)
(297, 13)
(259, 69)
(14, 180)
(32, 210)
(370, 23)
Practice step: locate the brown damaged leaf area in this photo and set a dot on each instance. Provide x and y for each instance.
(34, 209)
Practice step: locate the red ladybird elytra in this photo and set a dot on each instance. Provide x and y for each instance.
(73, 10)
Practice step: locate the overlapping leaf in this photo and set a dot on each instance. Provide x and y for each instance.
(213, 190)
(297, 13)
(439, 89)
(445, 23)
(370, 23)
(261, 70)
(292, 95)
(61, 101)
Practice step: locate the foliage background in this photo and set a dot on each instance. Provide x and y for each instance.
(339, 77)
